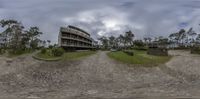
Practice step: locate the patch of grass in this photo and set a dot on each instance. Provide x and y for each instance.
(140, 57)
(66, 56)
(46, 57)
(11, 55)
(77, 55)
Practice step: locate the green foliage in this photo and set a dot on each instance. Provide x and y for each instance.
(51, 46)
(139, 43)
(17, 40)
(195, 50)
(58, 51)
(2, 51)
(48, 56)
(128, 52)
(77, 55)
(43, 51)
(140, 57)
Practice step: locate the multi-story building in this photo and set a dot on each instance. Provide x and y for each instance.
(74, 38)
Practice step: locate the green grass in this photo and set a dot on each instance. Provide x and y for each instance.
(140, 57)
(10, 55)
(66, 56)
(46, 57)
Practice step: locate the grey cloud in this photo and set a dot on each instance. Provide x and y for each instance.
(104, 17)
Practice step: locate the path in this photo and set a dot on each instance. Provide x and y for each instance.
(99, 76)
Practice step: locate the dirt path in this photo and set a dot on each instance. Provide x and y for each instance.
(98, 76)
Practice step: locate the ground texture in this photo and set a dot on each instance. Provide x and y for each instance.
(98, 76)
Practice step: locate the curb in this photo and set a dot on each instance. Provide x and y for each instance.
(49, 60)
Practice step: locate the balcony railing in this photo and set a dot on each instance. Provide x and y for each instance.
(75, 32)
(76, 39)
(72, 45)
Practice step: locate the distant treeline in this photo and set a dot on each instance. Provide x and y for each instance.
(16, 39)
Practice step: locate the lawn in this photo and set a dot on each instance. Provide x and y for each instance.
(140, 57)
(46, 57)
(10, 55)
(66, 56)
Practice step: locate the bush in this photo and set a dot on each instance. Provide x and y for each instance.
(16, 52)
(140, 48)
(195, 50)
(58, 51)
(51, 46)
(139, 43)
(43, 51)
(2, 51)
(131, 53)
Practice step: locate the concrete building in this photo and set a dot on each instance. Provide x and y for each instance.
(74, 38)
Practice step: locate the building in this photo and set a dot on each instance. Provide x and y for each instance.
(74, 38)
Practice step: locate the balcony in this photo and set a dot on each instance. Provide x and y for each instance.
(76, 39)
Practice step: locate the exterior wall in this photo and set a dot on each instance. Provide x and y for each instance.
(74, 38)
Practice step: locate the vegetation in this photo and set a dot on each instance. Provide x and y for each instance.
(122, 42)
(140, 57)
(59, 54)
(185, 38)
(17, 40)
(50, 54)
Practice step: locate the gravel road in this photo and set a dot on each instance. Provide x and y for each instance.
(98, 76)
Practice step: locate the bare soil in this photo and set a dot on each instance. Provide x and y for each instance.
(98, 76)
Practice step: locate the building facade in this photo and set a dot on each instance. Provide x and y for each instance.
(74, 38)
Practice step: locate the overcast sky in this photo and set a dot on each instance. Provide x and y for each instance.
(105, 17)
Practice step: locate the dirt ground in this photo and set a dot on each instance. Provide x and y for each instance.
(100, 77)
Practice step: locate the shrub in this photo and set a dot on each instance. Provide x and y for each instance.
(139, 43)
(16, 52)
(51, 46)
(58, 51)
(43, 51)
(2, 51)
(131, 53)
(195, 50)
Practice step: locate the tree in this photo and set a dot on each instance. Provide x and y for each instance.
(112, 41)
(198, 38)
(192, 35)
(49, 42)
(129, 37)
(8, 25)
(44, 43)
(181, 35)
(104, 40)
(145, 40)
(16, 39)
(122, 40)
(33, 35)
(139, 43)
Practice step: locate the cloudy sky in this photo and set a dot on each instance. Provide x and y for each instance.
(105, 17)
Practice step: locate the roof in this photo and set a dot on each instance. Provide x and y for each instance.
(73, 27)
